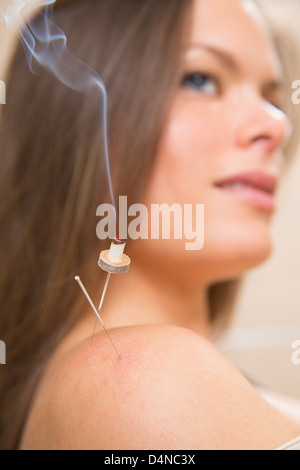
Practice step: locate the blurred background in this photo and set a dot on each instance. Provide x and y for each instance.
(267, 319)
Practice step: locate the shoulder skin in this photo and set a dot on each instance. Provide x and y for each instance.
(171, 390)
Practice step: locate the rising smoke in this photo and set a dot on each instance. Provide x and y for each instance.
(45, 44)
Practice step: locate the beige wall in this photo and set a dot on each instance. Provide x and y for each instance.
(268, 313)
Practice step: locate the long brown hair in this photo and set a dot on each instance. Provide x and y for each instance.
(53, 175)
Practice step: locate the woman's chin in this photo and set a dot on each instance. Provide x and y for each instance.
(225, 255)
(232, 264)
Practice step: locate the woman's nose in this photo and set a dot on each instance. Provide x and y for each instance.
(262, 124)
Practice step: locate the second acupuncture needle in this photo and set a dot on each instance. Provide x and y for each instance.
(102, 300)
(77, 278)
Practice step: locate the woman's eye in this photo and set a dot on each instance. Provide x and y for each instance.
(201, 82)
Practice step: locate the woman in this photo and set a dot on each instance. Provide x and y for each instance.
(194, 118)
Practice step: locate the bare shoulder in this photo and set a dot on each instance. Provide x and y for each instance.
(171, 389)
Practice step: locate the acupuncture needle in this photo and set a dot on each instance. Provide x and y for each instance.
(101, 301)
(104, 291)
(77, 279)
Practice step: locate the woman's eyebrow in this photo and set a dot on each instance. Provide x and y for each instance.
(222, 55)
(273, 85)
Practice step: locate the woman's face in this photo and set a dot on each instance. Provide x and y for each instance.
(222, 145)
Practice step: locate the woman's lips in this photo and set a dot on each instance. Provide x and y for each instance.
(254, 188)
